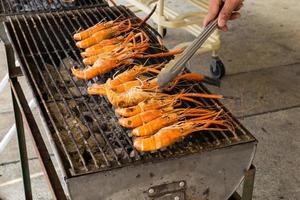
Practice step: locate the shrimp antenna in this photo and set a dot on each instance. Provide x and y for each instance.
(160, 47)
(113, 2)
(148, 16)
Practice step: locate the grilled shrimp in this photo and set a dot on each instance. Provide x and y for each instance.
(108, 33)
(171, 134)
(142, 118)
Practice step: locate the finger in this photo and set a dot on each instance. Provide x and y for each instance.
(235, 15)
(239, 7)
(213, 10)
(226, 12)
(224, 28)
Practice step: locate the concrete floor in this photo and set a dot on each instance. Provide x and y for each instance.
(262, 57)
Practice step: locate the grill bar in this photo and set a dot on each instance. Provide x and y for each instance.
(96, 141)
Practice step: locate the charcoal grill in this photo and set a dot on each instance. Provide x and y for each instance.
(95, 154)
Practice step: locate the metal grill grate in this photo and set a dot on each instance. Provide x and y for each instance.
(12, 7)
(85, 128)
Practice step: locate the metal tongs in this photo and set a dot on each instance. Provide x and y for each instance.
(176, 66)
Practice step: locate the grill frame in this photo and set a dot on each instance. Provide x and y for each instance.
(40, 6)
(69, 175)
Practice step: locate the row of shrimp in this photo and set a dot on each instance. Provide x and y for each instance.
(112, 44)
(158, 119)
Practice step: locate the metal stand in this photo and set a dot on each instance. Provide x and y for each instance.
(22, 109)
(247, 186)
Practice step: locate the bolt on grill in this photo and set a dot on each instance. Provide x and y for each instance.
(85, 128)
(11, 7)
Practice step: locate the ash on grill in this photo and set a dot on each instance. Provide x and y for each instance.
(85, 143)
(66, 79)
(84, 127)
(82, 136)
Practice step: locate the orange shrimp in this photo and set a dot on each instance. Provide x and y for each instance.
(130, 40)
(94, 29)
(100, 89)
(93, 53)
(106, 66)
(109, 62)
(128, 85)
(132, 73)
(106, 42)
(97, 89)
(142, 83)
(159, 102)
(128, 75)
(167, 119)
(92, 56)
(171, 134)
(144, 117)
(148, 104)
(92, 59)
(105, 34)
(130, 98)
(135, 95)
(120, 88)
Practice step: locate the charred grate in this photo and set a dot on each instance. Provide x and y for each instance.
(85, 128)
(12, 7)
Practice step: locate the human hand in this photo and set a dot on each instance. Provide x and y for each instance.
(229, 11)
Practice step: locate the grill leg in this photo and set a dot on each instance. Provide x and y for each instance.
(247, 186)
(20, 130)
(22, 149)
(249, 183)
